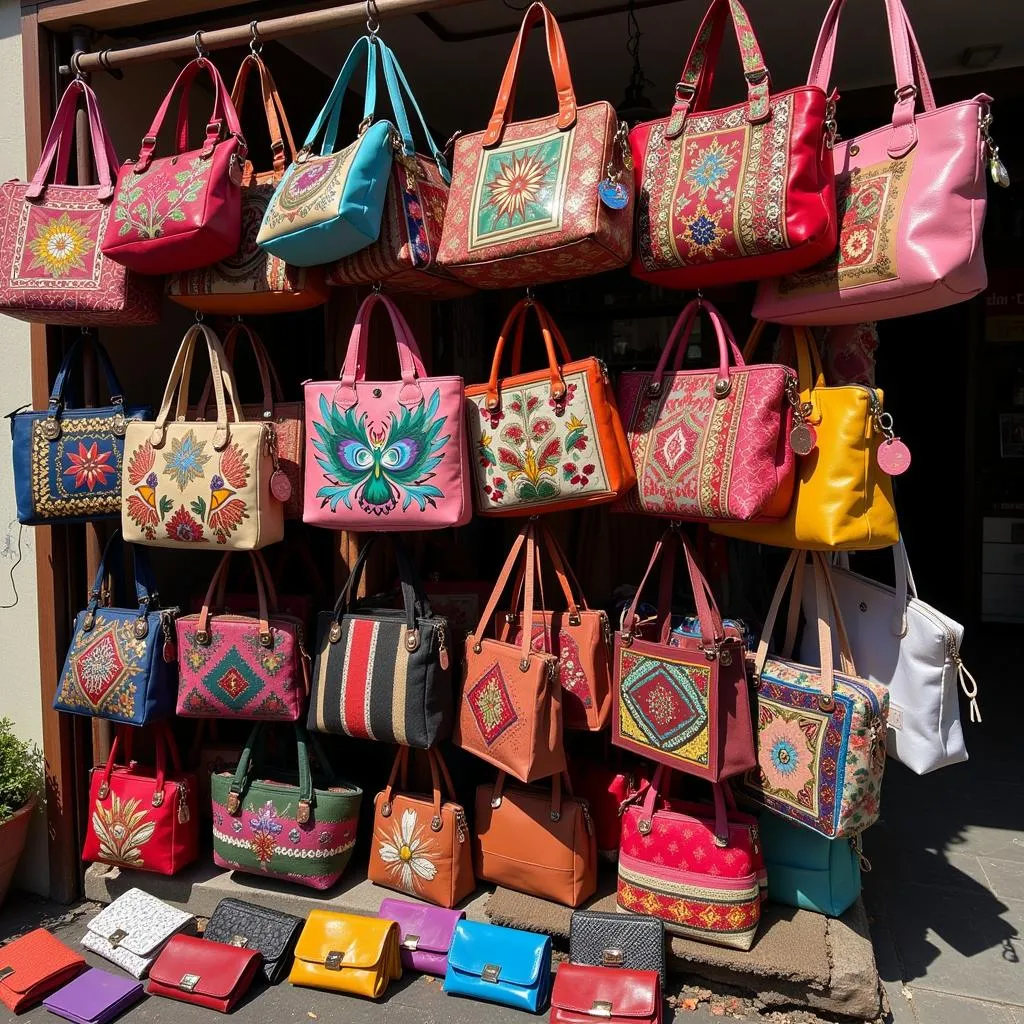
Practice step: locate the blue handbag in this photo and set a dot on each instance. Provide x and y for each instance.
(500, 965)
(330, 204)
(67, 461)
(121, 664)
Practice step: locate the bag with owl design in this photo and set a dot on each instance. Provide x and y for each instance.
(385, 455)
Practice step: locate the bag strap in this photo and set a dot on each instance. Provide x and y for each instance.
(55, 406)
(679, 339)
(265, 607)
(112, 559)
(269, 380)
(330, 115)
(397, 84)
(559, 62)
(543, 316)
(440, 783)
(559, 781)
(649, 808)
(251, 760)
(282, 145)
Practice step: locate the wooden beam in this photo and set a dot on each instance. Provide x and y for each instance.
(118, 14)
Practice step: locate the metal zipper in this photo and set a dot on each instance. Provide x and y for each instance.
(183, 812)
(461, 828)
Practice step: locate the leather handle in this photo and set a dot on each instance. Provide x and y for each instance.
(501, 583)
(282, 145)
(330, 114)
(269, 380)
(56, 400)
(219, 577)
(679, 339)
(402, 85)
(561, 347)
(653, 792)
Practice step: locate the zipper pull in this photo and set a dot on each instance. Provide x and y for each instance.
(183, 812)
(442, 647)
(803, 438)
(170, 649)
(585, 810)
(969, 685)
(754, 844)
(461, 828)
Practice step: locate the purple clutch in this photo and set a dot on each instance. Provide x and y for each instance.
(94, 997)
(426, 933)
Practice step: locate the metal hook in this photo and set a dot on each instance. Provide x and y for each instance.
(76, 65)
(201, 51)
(86, 331)
(700, 299)
(377, 287)
(530, 297)
(256, 43)
(372, 18)
(199, 317)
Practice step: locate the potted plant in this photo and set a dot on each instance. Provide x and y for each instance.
(21, 778)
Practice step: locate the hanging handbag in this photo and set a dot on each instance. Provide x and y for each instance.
(252, 667)
(710, 444)
(682, 701)
(251, 926)
(912, 202)
(330, 204)
(383, 673)
(51, 268)
(385, 454)
(622, 995)
(214, 975)
(177, 212)
(737, 193)
(34, 965)
(192, 484)
(300, 827)
(544, 200)
(420, 844)
(635, 942)
(842, 499)
(510, 711)
(913, 650)
(68, 461)
(139, 816)
(121, 662)
(545, 440)
(425, 934)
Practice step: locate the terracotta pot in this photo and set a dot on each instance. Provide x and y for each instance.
(13, 834)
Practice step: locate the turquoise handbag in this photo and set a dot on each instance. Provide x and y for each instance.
(808, 871)
(329, 205)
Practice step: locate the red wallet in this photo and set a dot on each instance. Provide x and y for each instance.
(34, 966)
(210, 974)
(614, 994)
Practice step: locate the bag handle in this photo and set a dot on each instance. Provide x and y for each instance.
(559, 781)
(273, 607)
(330, 115)
(266, 600)
(55, 405)
(282, 145)
(441, 783)
(163, 743)
(559, 339)
(810, 372)
(559, 69)
(679, 339)
(718, 792)
(145, 593)
(397, 84)
(905, 588)
(269, 380)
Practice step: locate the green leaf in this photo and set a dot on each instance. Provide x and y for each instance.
(199, 507)
(21, 770)
(176, 215)
(182, 176)
(134, 194)
(166, 504)
(173, 196)
(124, 229)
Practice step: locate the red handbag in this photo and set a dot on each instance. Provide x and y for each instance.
(207, 973)
(33, 966)
(582, 992)
(606, 786)
(183, 211)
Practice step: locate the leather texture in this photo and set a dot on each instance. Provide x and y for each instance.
(213, 975)
(94, 997)
(425, 934)
(623, 996)
(632, 942)
(34, 965)
(249, 926)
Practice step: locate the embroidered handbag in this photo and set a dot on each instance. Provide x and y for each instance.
(710, 444)
(425, 934)
(177, 212)
(330, 204)
(34, 965)
(682, 701)
(51, 268)
(192, 484)
(121, 662)
(142, 817)
(510, 711)
(300, 827)
(68, 462)
(548, 439)
(420, 842)
(737, 193)
(842, 499)
(635, 942)
(214, 975)
(253, 667)
(543, 200)
(385, 454)
(622, 996)
(94, 997)
(912, 202)
(251, 926)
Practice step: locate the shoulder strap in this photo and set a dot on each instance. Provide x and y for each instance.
(329, 117)
(389, 58)
(282, 145)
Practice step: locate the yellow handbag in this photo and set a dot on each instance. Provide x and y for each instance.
(842, 500)
(347, 953)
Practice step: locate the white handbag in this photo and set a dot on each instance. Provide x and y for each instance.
(908, 646)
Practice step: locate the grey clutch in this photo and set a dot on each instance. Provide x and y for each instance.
(632, 941)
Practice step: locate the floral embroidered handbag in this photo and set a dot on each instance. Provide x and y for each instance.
(250, 279)
(51, 268)
(68, 461)
(191, 484)
(710, 444)
(736, 193)
(385, 454)
(177, 212)
(543, 200)
(547, 439)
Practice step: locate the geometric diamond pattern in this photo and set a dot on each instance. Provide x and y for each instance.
(99, 667)
(491, 705)
(666, 702)
(235, 680)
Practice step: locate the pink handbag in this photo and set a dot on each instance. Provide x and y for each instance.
(911, 200)
(51, 267)
(709, 445)
(385, 455)
(182, 211)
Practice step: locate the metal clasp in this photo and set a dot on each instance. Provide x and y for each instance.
(239, 940)
(490, 973)
(188, 981)
(612, 957)
(117, 937)
(333, 961)
(600, 1008)
(411, 943)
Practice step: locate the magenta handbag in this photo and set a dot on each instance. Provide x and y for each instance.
(183, 211)
(425, 933)
(912, 199)
(251, 667)
(713, 444)
(51, 268)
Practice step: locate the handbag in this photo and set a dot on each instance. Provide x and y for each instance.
(634, 942)
(543, 200)
(177, 212)
(316, 814)
(682, 701)
(425, 934)
(68, 461)
(911, 202)
(842, 498)
(710, 444)
(140, 816)
(121, 662)
(606, 784)
(51, 268)
(545, 440)
(190, 483)
(383, 673)
(94, 997)
(214, 975)
(913, 650)
(510, 711)
(419, 842)
(622, 996)
(250, 279)
(347, 953)
(385, 454)
(271, 932)
(34, 965)
(740, 192)
(329, 204)
(211, 753)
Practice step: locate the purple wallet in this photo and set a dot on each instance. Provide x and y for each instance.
(426, 933)
(94, 997)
